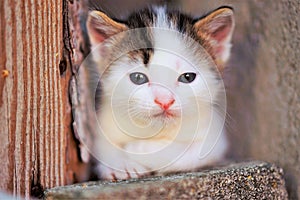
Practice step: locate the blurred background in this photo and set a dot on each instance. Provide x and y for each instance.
(262, 78)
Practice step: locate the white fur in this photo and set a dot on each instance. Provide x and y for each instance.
(131, 141)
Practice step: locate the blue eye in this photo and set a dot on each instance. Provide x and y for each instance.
(187, 77)
(138, 78)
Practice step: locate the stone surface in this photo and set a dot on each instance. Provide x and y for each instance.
(253, 180)
(275, 134)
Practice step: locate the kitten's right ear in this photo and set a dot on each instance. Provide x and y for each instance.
(101, 27)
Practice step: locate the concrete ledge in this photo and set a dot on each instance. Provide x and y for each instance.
(253, 180)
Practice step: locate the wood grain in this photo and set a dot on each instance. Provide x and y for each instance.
(37, 147)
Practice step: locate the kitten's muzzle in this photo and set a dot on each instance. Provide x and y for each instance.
(165, 105)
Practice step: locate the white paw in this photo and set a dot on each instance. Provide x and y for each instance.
(122, 171)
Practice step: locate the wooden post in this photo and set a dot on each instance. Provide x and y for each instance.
(37, 147)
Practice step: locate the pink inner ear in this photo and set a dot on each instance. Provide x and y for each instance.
(222, 36)
(221, 33)
(97, 35)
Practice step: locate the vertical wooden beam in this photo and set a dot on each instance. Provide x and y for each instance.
(37, 148)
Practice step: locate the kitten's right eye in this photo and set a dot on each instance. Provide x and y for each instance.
(138, 78)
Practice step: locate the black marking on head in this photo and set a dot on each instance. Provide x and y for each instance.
(182, 21)
(146, 55)
(143, 55)
(141, 19)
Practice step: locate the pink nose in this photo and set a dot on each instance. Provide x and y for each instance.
(164, 105)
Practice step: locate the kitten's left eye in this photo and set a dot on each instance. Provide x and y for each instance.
(187, 77)
(138, 78)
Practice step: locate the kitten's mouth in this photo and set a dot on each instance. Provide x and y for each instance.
(165, 114)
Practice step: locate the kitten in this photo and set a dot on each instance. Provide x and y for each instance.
(162, 103)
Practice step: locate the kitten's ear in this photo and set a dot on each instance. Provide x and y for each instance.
(101, 27)
(217, 27)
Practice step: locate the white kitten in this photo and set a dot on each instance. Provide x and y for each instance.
(162, 103)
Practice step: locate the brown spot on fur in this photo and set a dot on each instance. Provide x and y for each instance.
(143, 55)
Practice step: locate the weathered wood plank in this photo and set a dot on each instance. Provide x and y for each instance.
(37, 147)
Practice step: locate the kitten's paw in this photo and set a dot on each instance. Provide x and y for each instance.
(122, 173)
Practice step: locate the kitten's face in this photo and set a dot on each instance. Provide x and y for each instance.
(160, 68)
(170, 87)
(159, 89)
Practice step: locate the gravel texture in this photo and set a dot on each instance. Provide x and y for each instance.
(252, 180)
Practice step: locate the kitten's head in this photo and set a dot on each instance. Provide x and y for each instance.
(161, 66)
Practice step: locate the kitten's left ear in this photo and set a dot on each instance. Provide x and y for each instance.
(217, 28)
(101, 27)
